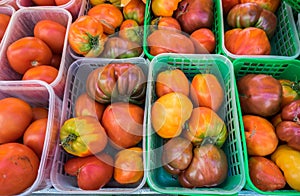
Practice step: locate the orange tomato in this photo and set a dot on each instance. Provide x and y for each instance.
(61, 2)
(4, 20)
(15, 116)
(39, 112)
(204, 41)
(168, 22)
(28, 52)
(34, 135)
(45, 73)
(44, 2)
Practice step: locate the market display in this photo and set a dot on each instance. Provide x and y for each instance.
(185, 97)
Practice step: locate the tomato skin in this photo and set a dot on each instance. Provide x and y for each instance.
(270, 5)
(207, 91)
(260, 135)
(56, 60)
(128, 166)
(169, 23)
(204, 41)
(228, 4)
(131, 31)
(45, 73)
(83, 136)
(164, 7)
(61, 2)
(290, 91)
(34, 135)
(173, 80)
(123, 123)
(4, 20)
(37, 53)
(86, 36)
(44, 3)
(39, 112)
(44, 28)
(109, 15)
(135, 10)
(19, 164)
(15, 116)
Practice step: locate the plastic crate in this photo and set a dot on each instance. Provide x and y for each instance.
(161, 181)
(38, 94)
(9, 2)
(284, 44)
(295, 4)
(8, 10)
(22, 24)
(73, 6)
(149, 16)
(289, 69)
(75, 86)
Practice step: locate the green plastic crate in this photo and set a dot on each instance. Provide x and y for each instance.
(289, 69)
(158, 179)
(295, 4)
(149, 16)
(285, 43)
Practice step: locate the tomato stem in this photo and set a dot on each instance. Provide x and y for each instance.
(66, 141)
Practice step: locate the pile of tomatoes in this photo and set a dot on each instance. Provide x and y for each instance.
(22, 136)
(270, 110)
(106, 132)
(181, 27)
(108, 30)
(185, 115)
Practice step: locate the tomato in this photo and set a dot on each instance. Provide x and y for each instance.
(61, 2)
(123, 123)
(86, 106)
(171, 80)
(166, 22)
(165, 41)
(96, 2)
(15, 116)
(44, 2)
(164, 7)
(109, 15)
(128, 166)
(247, 41)
(288, 131)
(206, 90)
(290, 91)
(204, 41)
(4, 20)
(260, 135)
(56, 60)
(34, 136)
(39, 112)
(98, 168)
(94, 175)
(45, 73)
(271, 5)
(18, 167)
(259, 94)
(131, 31)
(195, 14)
(37, 53)
(169, 114)
(86, 36)
(115, 82)
(291, 111)
(252, 15)
(265, 174)
(228, 4)
(44, 28)
(135, 10)
(208, 168)
(83, 136)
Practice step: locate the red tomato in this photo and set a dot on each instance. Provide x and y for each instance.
(39, 112)
(34, 136)
(135, 10)
(4, 20)
(228, 4)
(52, 33)
(45, 73)
(204, 41)
(109, 15)
(207, 91)
(43, 2)
(123, 123)
(61, 2)
(56, 60)
(18, 168)
(28, 52)
(15, 116)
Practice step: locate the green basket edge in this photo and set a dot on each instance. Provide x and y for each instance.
(249, 185)
(222, 49)
(150, 182)
(295, 4)
(148, 19)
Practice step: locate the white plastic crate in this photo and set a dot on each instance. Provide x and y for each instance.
(22, 24)
(75, 86)
(38, 94)
(12, 3)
